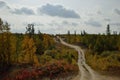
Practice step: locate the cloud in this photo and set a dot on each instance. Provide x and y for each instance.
(117, 11)
(74, 24)
(63, 23)
(4, 5)
(54, 23)
(57, 10)
(69, 23)
(115, 24)
(35, 23)
(23, 10)
(99, 12)
(107, 19)
(91, 22)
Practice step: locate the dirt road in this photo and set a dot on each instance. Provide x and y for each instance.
(86, 73)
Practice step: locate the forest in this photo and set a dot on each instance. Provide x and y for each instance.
(33, 56)
(102, 51)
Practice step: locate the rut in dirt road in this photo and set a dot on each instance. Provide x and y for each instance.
(86, 73)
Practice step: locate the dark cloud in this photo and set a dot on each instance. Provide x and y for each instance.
(4, 5)
(117, 11)
(23, 10)
(91, 22)
(57, 10)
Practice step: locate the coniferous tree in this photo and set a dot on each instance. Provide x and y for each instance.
(108, 30)
(75, 36)
(68, 34)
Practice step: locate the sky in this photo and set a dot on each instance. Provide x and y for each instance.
(59, 16)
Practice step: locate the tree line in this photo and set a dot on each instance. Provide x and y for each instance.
(100, 43)
(96, 42)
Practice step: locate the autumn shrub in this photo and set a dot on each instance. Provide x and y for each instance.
(104, 61)
(54, 70)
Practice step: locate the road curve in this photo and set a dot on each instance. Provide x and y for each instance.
(86, 73)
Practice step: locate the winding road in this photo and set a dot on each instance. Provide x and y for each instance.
(86, 73)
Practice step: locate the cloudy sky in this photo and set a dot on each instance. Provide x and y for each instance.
(59, 16)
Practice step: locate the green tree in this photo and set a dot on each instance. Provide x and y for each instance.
(69, 37)
(30, 30)
(75, 36)
(108, 30)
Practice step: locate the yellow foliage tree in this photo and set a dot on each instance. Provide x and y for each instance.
(48, 41)
(28, 49)
(5, 35)
(13, 48)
